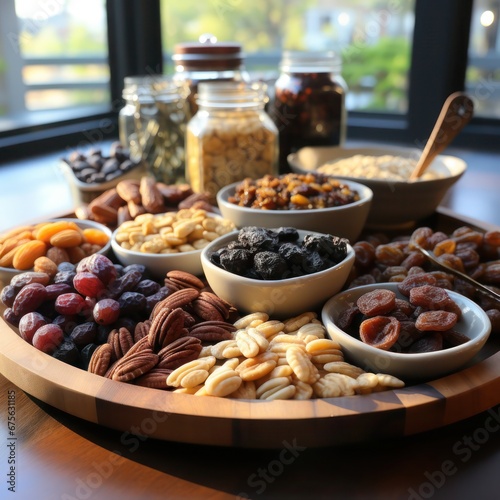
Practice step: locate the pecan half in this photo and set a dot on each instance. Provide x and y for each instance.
(185, 280)
(178, 352)
(121, 341)
(141, 330)
(177, 299)
(131, 367)
(166, 327)
(100, 360)
(156, 378)
(210, 333)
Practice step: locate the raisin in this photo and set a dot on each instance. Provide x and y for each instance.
(48, 338)
(437, 321)
(147, 287)
(68, 353)
(377, 302)
(8, 295)
(29, 324)
(346, 317)
(88, 284)
(429, 343)
(364, 253)
(64, 277)
(29, 298)
(69, 303)
(381, 332)
(106, 311)
(20, 280)
(84, 334)
(454, 338)
(11, 318)
(102, 267)
(56, 289)
(132, 303)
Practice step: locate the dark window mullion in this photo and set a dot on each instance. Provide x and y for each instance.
(439, 60)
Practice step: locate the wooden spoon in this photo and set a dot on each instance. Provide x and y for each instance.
(455, 114)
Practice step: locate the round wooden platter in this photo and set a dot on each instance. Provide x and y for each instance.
(253, 424)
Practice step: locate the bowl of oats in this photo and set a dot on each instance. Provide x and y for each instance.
(397, 201)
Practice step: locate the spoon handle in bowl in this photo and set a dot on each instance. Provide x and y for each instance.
(455, 114)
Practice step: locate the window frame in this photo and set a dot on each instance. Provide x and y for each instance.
(439, 62)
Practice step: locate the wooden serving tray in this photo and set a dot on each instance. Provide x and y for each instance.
(257, 424)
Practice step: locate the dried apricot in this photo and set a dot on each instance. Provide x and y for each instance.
(381, 332)
(437, 321)
(376, 302)
(95, 236)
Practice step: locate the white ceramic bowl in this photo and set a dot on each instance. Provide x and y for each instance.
(474, 323)
(395, 203)
(7, 273)
(346, 221)
(159, 264)
(279, 298)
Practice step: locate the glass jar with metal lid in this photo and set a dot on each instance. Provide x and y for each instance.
(309, 104)
(231, 137)
(208, 60)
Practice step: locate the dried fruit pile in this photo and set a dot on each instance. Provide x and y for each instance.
(47, 244)
(293, 192)
(380, 259)
(268, 254)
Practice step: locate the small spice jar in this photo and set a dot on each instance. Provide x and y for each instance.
(309, 104)
(208, 60)
(230, 138)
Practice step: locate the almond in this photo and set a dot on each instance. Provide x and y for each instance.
(26, 254)
(66, 238)
(46, 231)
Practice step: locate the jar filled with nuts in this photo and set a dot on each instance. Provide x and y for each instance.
(231, 137)
(309, 104)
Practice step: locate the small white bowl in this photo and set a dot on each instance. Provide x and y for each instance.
(7, 273)
(346, 221)
(395, 203)
(474, 323)
(279, 298)
(159, 264)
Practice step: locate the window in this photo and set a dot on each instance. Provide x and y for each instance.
(483, 72)
(53, 57)
(401, 59)
(373, 37)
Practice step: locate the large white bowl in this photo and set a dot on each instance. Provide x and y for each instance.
(395, 203)
(279, 298)
(346, 221)
(474, 323)
(7, 273)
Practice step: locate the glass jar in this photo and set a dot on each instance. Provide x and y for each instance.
(160, 120)
(309, 102)
(230, 138)
(208, 60)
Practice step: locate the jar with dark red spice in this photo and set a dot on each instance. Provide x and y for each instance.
(309, 104)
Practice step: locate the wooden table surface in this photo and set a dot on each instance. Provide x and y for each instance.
(46, 454)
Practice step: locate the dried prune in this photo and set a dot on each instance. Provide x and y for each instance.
(292, 254)
(270, 266)
(438, 321)
(377, 302)
(8, 295)
(236, 261)
(147, 287)
(259, 237)
(289, 234)
(381, 332)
